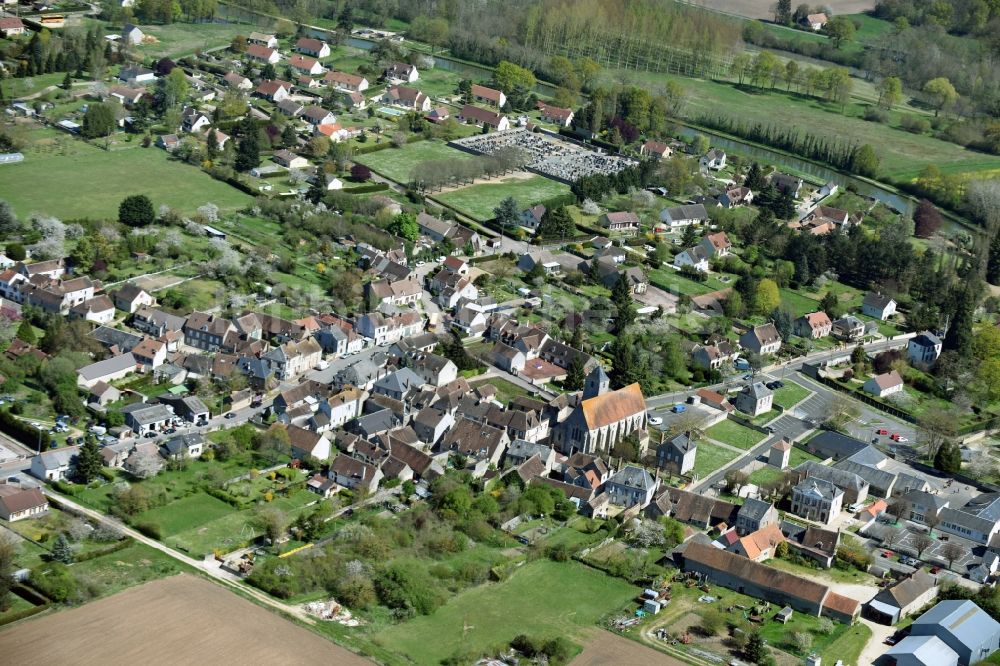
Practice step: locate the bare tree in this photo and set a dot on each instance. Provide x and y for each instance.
(951, 552)
(735, 480)
(931, 520)
(891, 536)
(936, 427)
(900, 508)
(922, 542)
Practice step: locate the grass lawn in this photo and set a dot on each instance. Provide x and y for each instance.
(538, 593)
(507, 391)
(732, 433)
(669, 280)
(903, 154)
(478, 201)
(765, 475)
(19, 87)
(182, 39)
(185, 514)
(798, 304)
(790, 394)
(70, 179)
(133, 565)
(711, 457)
(798, 455)
(848, 646)
(397, 163)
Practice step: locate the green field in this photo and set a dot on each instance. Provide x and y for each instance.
(543, 598)
(790, 394)
(734, 434)
(133, 565)
(70, 179)
(186, 513)
(711, 457)
(506, 391)
(903, 154)
(796, 303)
(478, 201)
(183, 39)
(398, 163)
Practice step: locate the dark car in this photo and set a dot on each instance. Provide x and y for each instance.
(231, 415)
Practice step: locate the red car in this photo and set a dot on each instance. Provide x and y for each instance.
(886, 553)
(936, 570)
(896, 437)
(881, 431)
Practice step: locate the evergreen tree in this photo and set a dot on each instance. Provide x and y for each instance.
(247, 153)
(993, 261)
(621, 296)
(288, 136)
(802, 274)
(948, 458)
(626, 368)
(959, 337)
(61, 551)
(507, 214)
(755, 178)
(755, 650)
(556, 223)
(136, 211)
(26, 333)
(211, 144)
(88, 461)
(690, 237)
(316, 189)
(67, 82)
(574, 374)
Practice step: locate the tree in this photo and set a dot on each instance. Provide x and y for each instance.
(712, 622)
(211, 144)
(948, 458)
(865, 161)
(951, 552)
(360, 172)
(621, 296)
(926, 219)
(507, 213)
(61, 550)
(922, 542)
(959, 336)
(890, 92)
(274, 522)
(510, 77)
(783, 12)
(839, 85)
(136, 211)
(556, 223)
(803, 641)
(26, 333)
(405, 226)
(941, 93)
(830, 304)
(575, 376)
(755, 178)
(755, 650)
(768, 296)
(98, 121)
(626, 367)
(8, 561)
(247, 153)
(88, 461)
(840, 29)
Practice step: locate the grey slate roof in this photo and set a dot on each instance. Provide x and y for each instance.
(633, 477)
(754, 509)
(107, 366)
(840, 477)
(816, 487)
(111, 336)
(829, 444)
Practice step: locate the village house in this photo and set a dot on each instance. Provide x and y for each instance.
(316, 115)
(237, 81)
(144, 418)
(57, 465)
(555, 115)
(289, 160)
(779, 454)
(193, 120)
(263, 39)
(755, 515)
(129, 298)
(264, 54)
(384, 329)
(790, 185)
(477, 441)
(126, 96)
(305, 65)
(290, 108)
(717, 244)
(152, 321)
(107, 370)
(754, 399)
(695, 258)
(206, 331)
(12, 26)
(762, 340)
(884, 385)
(878, 305)
(736, 196)
(132, 35)
(817, 500)
(678, 453)
(712, 357)
(655, 149)
(354, 474)
(345, 81)
(623, 222)
(313, 47)
(760, 544)
(682, 216)
(102, 394)
(149, 354)
(631, 486)
(474, 115)
(306, 444)
(98, 309)
(273, 91)
(848, 328)
(17, 503)
(399, 72)
(714, 159)
(183, 447)
(923, 350)
(814, 22)
(488, 96)
(814, 325)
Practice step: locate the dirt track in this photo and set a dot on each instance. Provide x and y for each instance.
(606, 649)
(177, 620)
(761, 8)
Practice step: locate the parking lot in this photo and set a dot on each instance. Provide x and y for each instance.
(906, 544)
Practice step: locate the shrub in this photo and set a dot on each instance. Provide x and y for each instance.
(876, 115)
(151, 530)
(915, 124)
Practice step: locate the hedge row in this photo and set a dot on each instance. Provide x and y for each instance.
(365, 189)
(20, 615)
(23, 432)
(113, 548)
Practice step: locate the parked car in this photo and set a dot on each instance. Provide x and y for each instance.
(896, 437)
(678, 408)
(231, 415)
(881, 431)
(655, 420)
